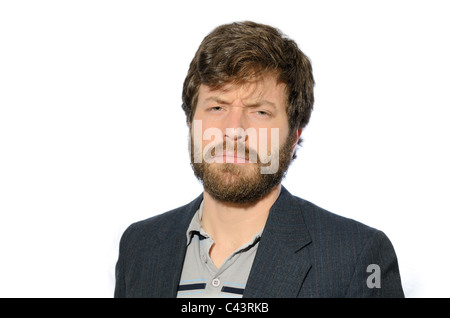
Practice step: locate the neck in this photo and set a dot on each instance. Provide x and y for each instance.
(235, 224)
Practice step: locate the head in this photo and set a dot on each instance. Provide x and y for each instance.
(251, 77)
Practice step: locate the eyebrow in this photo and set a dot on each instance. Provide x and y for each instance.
(217, 100)
(224, 102)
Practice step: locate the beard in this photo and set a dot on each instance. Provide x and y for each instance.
(241, 183)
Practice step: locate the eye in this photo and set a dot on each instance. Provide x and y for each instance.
(262, 113)
(215, 109)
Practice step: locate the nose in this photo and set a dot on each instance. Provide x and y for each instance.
(235, 134)
(235, 125)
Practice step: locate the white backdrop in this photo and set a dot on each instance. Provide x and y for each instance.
(93, 138)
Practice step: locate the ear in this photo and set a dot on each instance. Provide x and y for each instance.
(299, 133)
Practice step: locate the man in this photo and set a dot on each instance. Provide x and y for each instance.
(247, 96)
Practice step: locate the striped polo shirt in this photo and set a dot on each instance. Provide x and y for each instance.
(201, 278)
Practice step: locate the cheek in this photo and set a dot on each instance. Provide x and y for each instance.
(204, 134)
(275, 137)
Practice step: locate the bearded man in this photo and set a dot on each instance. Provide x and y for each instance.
(247, 96)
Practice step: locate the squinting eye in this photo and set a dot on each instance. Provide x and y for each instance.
(215, 109)
(262, 113)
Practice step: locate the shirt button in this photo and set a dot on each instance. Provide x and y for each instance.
(205, 259)
(215, 282)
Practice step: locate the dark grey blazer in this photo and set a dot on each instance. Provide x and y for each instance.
(304, 251)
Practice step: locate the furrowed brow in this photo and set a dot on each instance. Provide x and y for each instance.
(219, 100)
(216, 100)
(262, 103)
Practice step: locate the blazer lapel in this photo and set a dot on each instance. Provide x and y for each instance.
(172, 241)
(281, 263)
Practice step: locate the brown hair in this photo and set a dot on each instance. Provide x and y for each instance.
(241, 51)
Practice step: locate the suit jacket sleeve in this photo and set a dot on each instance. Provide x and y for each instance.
(120, 287)
(376, 273)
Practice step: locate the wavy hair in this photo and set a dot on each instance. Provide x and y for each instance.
(242, 51)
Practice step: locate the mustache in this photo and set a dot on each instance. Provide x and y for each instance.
(239, 150)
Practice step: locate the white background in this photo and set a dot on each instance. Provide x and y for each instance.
(93, 138)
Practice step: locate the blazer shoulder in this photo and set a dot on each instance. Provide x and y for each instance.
(162, 225)
(320, 220)
(330, 229)
(342, 252)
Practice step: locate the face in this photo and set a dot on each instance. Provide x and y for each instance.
(240, 141)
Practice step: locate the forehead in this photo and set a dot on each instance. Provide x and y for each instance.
(266, 88)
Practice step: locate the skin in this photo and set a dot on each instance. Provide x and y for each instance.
(259, 104)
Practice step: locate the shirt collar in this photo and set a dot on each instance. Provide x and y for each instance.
(196, 227)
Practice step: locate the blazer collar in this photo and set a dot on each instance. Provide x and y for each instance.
(174, 237)
(286, 223)
(281, 262)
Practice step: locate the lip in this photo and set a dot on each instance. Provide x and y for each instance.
(231, 158)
